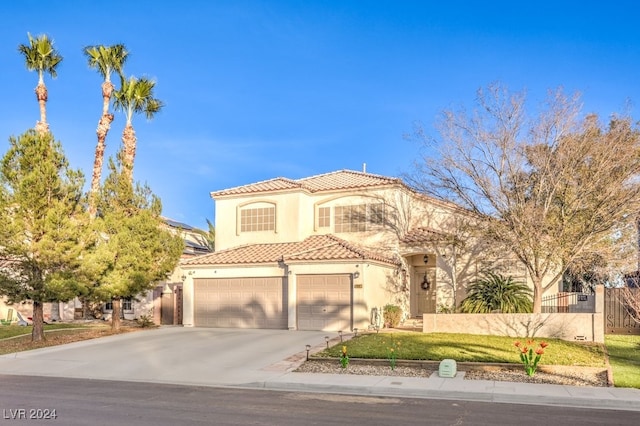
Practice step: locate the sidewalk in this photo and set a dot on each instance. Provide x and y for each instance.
(457, 388)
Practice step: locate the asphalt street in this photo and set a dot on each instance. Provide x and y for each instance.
(101, 402)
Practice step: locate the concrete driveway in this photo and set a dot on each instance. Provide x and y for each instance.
(194, 356)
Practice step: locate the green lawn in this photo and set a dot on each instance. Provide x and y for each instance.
(624, 357)
(465, 348)
(7, 331)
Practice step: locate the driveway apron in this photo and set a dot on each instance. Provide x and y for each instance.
(194, 356)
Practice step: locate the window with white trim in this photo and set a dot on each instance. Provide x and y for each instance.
(324, 217)
(358, 218)
(258, 219)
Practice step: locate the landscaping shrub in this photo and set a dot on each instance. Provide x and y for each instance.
(497, 293)
(146, 320)
(392, 315)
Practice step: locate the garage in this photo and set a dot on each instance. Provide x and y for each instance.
(240, 302)
(324, 302)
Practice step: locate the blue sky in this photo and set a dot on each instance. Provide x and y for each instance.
(260, 89)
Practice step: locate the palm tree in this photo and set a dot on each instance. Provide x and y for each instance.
(135, 96)
(106, 60)
(41, 56)
(495, 292)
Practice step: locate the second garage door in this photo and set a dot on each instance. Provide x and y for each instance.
(324, 302)
(240, 302)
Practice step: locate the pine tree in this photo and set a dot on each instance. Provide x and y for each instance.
(42, 233)
(134, 250)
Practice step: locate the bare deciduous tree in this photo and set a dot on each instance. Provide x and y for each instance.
(425, 223)
(551, 188)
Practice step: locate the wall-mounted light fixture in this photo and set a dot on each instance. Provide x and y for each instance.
(356, 275)
(184, 277)
(425, 259)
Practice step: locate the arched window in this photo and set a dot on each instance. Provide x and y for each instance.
(254, 218)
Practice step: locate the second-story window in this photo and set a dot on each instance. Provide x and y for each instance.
(350, 218)
(324, 217)
(258, 219)
(358, 218)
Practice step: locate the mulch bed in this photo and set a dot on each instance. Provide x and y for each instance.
(557, 375)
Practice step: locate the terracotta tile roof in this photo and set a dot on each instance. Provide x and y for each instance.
(422, 235)
(342, 179)
(314, 248)
(346, 179)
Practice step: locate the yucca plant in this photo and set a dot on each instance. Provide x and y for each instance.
(496, 293)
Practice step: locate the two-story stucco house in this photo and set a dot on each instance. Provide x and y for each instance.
(327, 252)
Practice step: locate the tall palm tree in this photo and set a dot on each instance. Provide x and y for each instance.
(41, 56)
(135, 96)
(106, 60)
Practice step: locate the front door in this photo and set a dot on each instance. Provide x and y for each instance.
(423, 300)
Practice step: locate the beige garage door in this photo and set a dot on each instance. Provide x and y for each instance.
(324, 302)
(240, 302)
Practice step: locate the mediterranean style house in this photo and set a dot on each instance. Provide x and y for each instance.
(328, 252)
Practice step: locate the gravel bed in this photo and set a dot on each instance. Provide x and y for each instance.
(572, 376)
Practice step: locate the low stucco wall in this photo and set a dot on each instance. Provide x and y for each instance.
(576, 326)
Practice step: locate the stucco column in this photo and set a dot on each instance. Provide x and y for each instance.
(361, 318)
(187, 302)
(292, 312)
(598, 316)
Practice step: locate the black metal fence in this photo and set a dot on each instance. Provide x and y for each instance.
(569, 303)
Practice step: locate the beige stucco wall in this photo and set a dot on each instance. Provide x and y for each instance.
(290, 215)
(296, 216)
(380, 287)
(567, 326)
(560, 326)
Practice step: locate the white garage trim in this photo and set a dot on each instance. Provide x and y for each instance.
(324, 302)
(240, 302)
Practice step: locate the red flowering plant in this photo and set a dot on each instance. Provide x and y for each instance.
(529, 356)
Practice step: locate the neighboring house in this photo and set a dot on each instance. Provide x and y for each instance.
(327, 252)
(164, 302)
